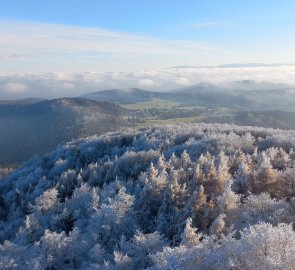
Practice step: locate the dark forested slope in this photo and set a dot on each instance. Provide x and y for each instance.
(29, 128)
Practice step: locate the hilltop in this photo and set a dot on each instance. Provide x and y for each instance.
(189, 196)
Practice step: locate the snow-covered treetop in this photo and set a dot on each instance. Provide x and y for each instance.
(188, 196)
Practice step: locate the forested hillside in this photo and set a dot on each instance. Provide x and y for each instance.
(189, 196)
(30, 127)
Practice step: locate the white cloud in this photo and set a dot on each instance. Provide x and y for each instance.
(15, 88)
(68, 86)
(7, 56)
(39, 47)
(57, 84)
(148, 82)
(183, 81)
(50, 47)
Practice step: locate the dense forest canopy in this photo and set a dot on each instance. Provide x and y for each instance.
(189, 196)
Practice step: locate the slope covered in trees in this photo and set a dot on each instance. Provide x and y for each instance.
(176, 197)
(44, 125)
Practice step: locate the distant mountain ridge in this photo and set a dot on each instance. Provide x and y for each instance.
(238, 95)
(123, 96)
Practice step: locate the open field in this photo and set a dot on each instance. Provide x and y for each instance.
(152, 122)
(155, 103)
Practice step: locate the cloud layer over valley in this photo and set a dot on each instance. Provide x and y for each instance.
(60, 84)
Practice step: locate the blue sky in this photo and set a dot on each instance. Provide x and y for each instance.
(76, 35)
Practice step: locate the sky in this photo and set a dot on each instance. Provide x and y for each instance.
(76, 36)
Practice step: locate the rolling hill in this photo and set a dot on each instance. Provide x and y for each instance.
(123, 96)
(239, 95)
(29, 128)
(34, 126)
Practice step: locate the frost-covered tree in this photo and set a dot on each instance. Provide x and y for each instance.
(265, 176)
(167, 215)
(242, 183)
(190, 237)
(193, 196)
